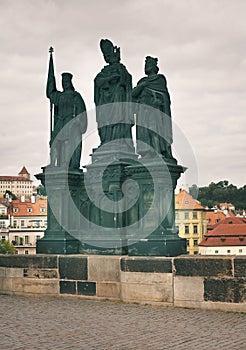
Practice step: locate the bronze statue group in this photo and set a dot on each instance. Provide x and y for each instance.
(116, 103)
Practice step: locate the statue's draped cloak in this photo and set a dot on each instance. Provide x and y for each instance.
(154, 94)
(68, 105)
(108, 94)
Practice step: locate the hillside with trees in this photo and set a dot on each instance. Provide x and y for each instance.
(220, 192)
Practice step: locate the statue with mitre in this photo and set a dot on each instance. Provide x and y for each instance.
(113, 87)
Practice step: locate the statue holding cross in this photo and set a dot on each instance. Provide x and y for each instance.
(68, 120)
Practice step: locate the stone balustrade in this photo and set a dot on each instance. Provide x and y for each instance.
(212, 283)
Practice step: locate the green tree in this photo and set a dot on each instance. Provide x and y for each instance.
(6, 247)
(220, 192)
(41, 190)
(10, 194)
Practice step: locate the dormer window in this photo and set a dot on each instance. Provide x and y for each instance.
(15, 210)
(29, 210)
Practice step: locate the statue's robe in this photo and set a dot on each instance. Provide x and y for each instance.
(112, 96)
(67, 126)
(154, 125)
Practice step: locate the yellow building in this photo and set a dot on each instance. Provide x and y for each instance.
(190, 220)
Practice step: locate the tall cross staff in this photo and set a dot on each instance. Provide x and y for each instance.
(51, 72)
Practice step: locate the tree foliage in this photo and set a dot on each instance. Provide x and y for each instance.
(220, 192)
(6, 247)
(41, 190)
(9, 194)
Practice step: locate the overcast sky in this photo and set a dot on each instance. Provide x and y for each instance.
(201, 46)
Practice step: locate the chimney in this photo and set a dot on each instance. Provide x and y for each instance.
(33, 199)
(22, 199)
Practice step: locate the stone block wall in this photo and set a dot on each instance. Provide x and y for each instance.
(217, 283)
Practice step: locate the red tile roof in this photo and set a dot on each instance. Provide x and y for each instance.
(183, 200)
(213, 218)
(229, 232)
(24, 171)
(24, 206)
(13, 178)
(228, 242)
(231, 221)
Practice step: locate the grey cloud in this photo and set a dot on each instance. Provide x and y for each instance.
(201, 51)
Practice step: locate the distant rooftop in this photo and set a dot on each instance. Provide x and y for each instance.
(183, 200)
(22, 176)
(24, 171)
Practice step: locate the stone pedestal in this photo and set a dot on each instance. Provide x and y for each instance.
(154, 232)
(103, 207)
(130, 207)
(116, 207)
(63, 188)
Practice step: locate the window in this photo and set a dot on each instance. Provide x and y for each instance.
(186, 215)
(195, 242)
(187, 243)
(37, 237)
(194, 214)
(216, 251)
(228, 251)
(195, 230)
(186, 229)
(15, 223)
(176, 215)
(2, 224)
(22, 223)
(26, 239)
(26, 252)
(240, 250)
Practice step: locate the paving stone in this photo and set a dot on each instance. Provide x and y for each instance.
(74, 324)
